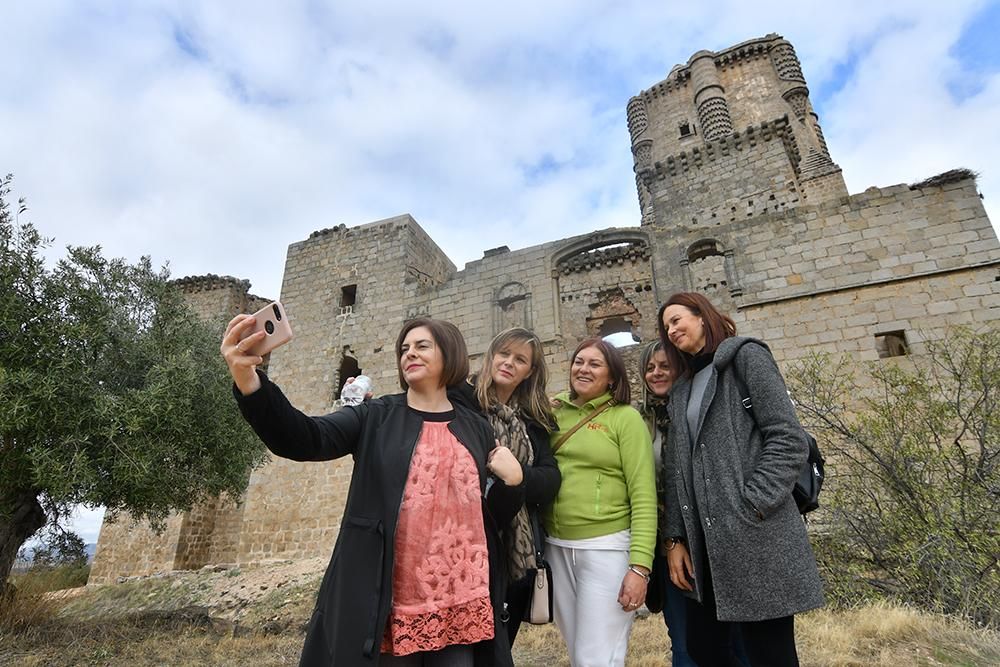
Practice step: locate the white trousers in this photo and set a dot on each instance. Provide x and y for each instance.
(586, 583)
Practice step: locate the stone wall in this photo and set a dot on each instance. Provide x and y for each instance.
(126, 548)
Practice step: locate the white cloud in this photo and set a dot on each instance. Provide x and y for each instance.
(214, 135)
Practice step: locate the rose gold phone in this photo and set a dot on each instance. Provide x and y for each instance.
(271, 319)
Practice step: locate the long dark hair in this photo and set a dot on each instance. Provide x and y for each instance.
(621, 393)
(718, 327)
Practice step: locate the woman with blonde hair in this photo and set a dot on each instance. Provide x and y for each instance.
(509, 390)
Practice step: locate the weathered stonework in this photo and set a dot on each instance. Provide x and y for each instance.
(739, 199)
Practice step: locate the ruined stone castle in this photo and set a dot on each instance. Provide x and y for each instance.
(740, 199)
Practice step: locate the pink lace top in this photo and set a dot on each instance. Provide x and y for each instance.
(440, 579)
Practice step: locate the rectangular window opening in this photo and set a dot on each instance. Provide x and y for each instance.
(891, 344)
(348, 295)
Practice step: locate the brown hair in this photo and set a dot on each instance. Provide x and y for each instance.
(621, 392)
(451, 343)
(647, 398)
(718, 327)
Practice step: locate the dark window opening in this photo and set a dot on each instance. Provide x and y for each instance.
(348, 295)
(891, 344)
(702, 249)
(685, 129)
(348, 369)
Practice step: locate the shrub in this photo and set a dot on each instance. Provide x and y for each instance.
(914, 474)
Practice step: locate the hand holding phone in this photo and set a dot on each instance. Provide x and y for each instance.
(272, 320)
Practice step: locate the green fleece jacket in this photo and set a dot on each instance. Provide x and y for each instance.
(608, 481)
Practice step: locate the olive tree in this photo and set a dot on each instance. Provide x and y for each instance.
(913, 448)
(111, 392)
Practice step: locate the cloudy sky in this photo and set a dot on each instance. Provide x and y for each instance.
(211, 135)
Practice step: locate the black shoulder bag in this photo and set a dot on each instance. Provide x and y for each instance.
(810, 479)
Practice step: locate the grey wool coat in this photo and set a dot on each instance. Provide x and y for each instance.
(730, 495)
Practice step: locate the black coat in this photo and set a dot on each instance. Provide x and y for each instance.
(355, 598)
(542, 477)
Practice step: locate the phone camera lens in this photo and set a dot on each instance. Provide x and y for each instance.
(269, 327)
(277, 312)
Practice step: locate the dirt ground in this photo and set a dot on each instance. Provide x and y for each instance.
(233, 616)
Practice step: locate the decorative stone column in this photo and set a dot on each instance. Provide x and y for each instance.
(709, 97)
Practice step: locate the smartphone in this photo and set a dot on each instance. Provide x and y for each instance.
(272, 320)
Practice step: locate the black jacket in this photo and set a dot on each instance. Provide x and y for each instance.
(541, 485)
(355, 597)
(542, 477)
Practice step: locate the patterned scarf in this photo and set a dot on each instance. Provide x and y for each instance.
(519, 540)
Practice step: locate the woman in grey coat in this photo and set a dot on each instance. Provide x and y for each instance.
(737, 544)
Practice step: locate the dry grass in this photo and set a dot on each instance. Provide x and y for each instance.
(29, 605)
(177, 620)
(879, 634)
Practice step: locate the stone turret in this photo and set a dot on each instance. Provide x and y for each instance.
(728, 133)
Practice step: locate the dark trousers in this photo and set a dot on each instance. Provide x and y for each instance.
(711, 642)
(458, 655)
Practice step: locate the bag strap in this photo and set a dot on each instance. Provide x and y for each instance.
(565, 436)
(538, 535)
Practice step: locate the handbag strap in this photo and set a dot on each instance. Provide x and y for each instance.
(538, 535)
(565, 436)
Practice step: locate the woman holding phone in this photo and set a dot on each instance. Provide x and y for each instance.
(509, 390)
(418, 500)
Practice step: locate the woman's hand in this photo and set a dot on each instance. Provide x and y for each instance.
(242, 366)
(681, 568)
(633, 591)
(502, 463)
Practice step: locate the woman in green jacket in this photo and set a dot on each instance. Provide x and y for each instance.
(602, 525)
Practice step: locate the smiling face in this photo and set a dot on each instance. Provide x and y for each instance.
(657, 374)
(589, 376)
(685, 329)
(512, 364)
(421, 361)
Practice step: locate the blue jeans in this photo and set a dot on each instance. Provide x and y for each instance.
(675, 616)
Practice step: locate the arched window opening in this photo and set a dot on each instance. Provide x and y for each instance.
(618, 331)
(348, 369)
(708, 266)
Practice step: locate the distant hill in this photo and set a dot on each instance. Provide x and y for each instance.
(27, 556)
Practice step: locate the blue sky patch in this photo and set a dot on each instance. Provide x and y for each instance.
(977, 53)
(186, 43)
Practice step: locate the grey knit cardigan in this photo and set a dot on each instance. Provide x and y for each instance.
(730, 494)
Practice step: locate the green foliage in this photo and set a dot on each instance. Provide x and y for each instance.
(61, 547)
(913, 496)
(113, 392)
